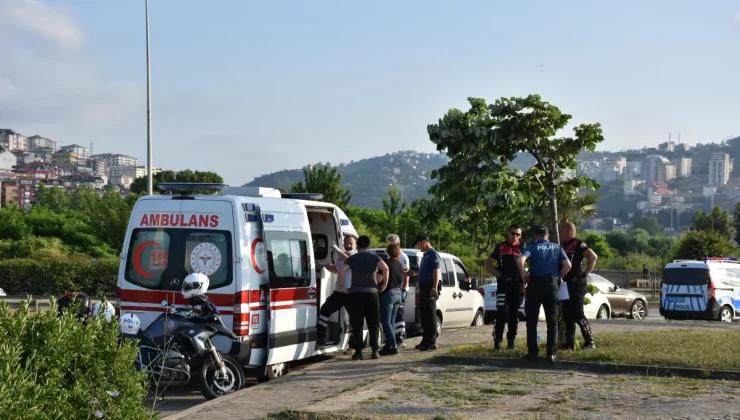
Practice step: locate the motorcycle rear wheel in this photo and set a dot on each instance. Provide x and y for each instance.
(212, 385)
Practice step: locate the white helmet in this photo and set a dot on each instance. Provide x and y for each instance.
(195, 284)
(105, 309)
(129, 324)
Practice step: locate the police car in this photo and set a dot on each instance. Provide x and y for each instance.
(701, 289)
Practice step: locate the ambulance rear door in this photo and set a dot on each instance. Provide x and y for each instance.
(292, 278)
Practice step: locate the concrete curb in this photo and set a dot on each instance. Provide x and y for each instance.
(595, 367)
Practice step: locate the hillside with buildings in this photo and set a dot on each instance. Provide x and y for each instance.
(27, 162)
(671, 179)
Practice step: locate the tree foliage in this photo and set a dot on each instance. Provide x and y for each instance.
(324, 180)
(649, 224)
(139, 185)
(699, 244)
(483, 141)
(717, 221)
(736, 220)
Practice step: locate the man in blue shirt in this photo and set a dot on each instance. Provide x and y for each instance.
(429, 281)
(548, 264)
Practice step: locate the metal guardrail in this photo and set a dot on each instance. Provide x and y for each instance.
(39, 303)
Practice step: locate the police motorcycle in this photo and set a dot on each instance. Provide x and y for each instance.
(177, 344)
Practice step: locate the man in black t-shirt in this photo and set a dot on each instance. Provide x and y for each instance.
(510, 286)
(364, 295)
(577, 282)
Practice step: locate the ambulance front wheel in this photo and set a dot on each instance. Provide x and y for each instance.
(274, 371)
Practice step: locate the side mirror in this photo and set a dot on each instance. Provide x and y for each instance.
(474, 284)
(464, 285)
(616, 287)
(164, 303)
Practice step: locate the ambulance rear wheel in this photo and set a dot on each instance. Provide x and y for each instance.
(274, 371)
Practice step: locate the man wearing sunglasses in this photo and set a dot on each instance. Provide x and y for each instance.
(510, 291)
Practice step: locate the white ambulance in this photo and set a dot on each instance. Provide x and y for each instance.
(265, 254)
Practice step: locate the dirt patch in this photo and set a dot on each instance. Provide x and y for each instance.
(471, 392)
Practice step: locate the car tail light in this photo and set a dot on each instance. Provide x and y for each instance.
(117, 306)
(710, 290)
(482, 292)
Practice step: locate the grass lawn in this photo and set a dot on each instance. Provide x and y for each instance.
(677, 348)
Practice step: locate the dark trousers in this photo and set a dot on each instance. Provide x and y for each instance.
(335, 302)
(364, 307)
(542, 291)
(400, 325)
(508, 300)
(428, 314)
(573, 313)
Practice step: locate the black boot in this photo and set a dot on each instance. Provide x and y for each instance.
(510, 345)
(496, 345)
(588, 337)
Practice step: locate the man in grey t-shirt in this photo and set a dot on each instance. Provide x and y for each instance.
(364, 300)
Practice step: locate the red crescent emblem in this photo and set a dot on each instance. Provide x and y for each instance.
(254, 256)
(137, 258)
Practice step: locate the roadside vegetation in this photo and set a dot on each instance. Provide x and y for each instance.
(59, 368)
(677, 348)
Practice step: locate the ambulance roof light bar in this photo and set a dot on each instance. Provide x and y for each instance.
(190, 186)
(729, 259)
(303, 196)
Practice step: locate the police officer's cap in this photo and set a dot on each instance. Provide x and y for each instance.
(421, 237)
(541, 230)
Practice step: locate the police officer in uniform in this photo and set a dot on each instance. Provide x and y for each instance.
(576, 250)
(429, 282)
(510, 291)
(547, 265)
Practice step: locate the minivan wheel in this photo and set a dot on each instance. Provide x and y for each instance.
(603, 312)
(439, 325)
(478, 319)
(725, 314)
(638, 310)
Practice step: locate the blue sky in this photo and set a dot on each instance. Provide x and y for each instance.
(244, 88)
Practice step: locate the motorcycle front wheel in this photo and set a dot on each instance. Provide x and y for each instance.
(214, 384)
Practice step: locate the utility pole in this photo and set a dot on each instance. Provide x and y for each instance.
(149, 184)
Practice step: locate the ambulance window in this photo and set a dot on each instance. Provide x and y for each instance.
(147, 258)
(320, 246)
(207, 253)
(289, 265)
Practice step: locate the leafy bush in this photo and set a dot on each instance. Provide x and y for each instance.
(58, 368)
(56, 277)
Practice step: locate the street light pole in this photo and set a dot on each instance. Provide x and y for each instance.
(671, 218)
(149, 184)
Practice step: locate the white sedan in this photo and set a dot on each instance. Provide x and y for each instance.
(598, 307)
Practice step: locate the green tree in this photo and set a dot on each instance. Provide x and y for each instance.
(482, 142)
(392, 207)
(699, 244)
(54, 198)
(598, 243)
(13, 224)
(649, 224)
(572, 207)
(618, 241)
(84, 200)
(140, 184)
(718, 221)
(324, 180)
(736, 218)
(112, 216)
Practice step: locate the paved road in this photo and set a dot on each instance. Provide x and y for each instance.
(333, 375)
